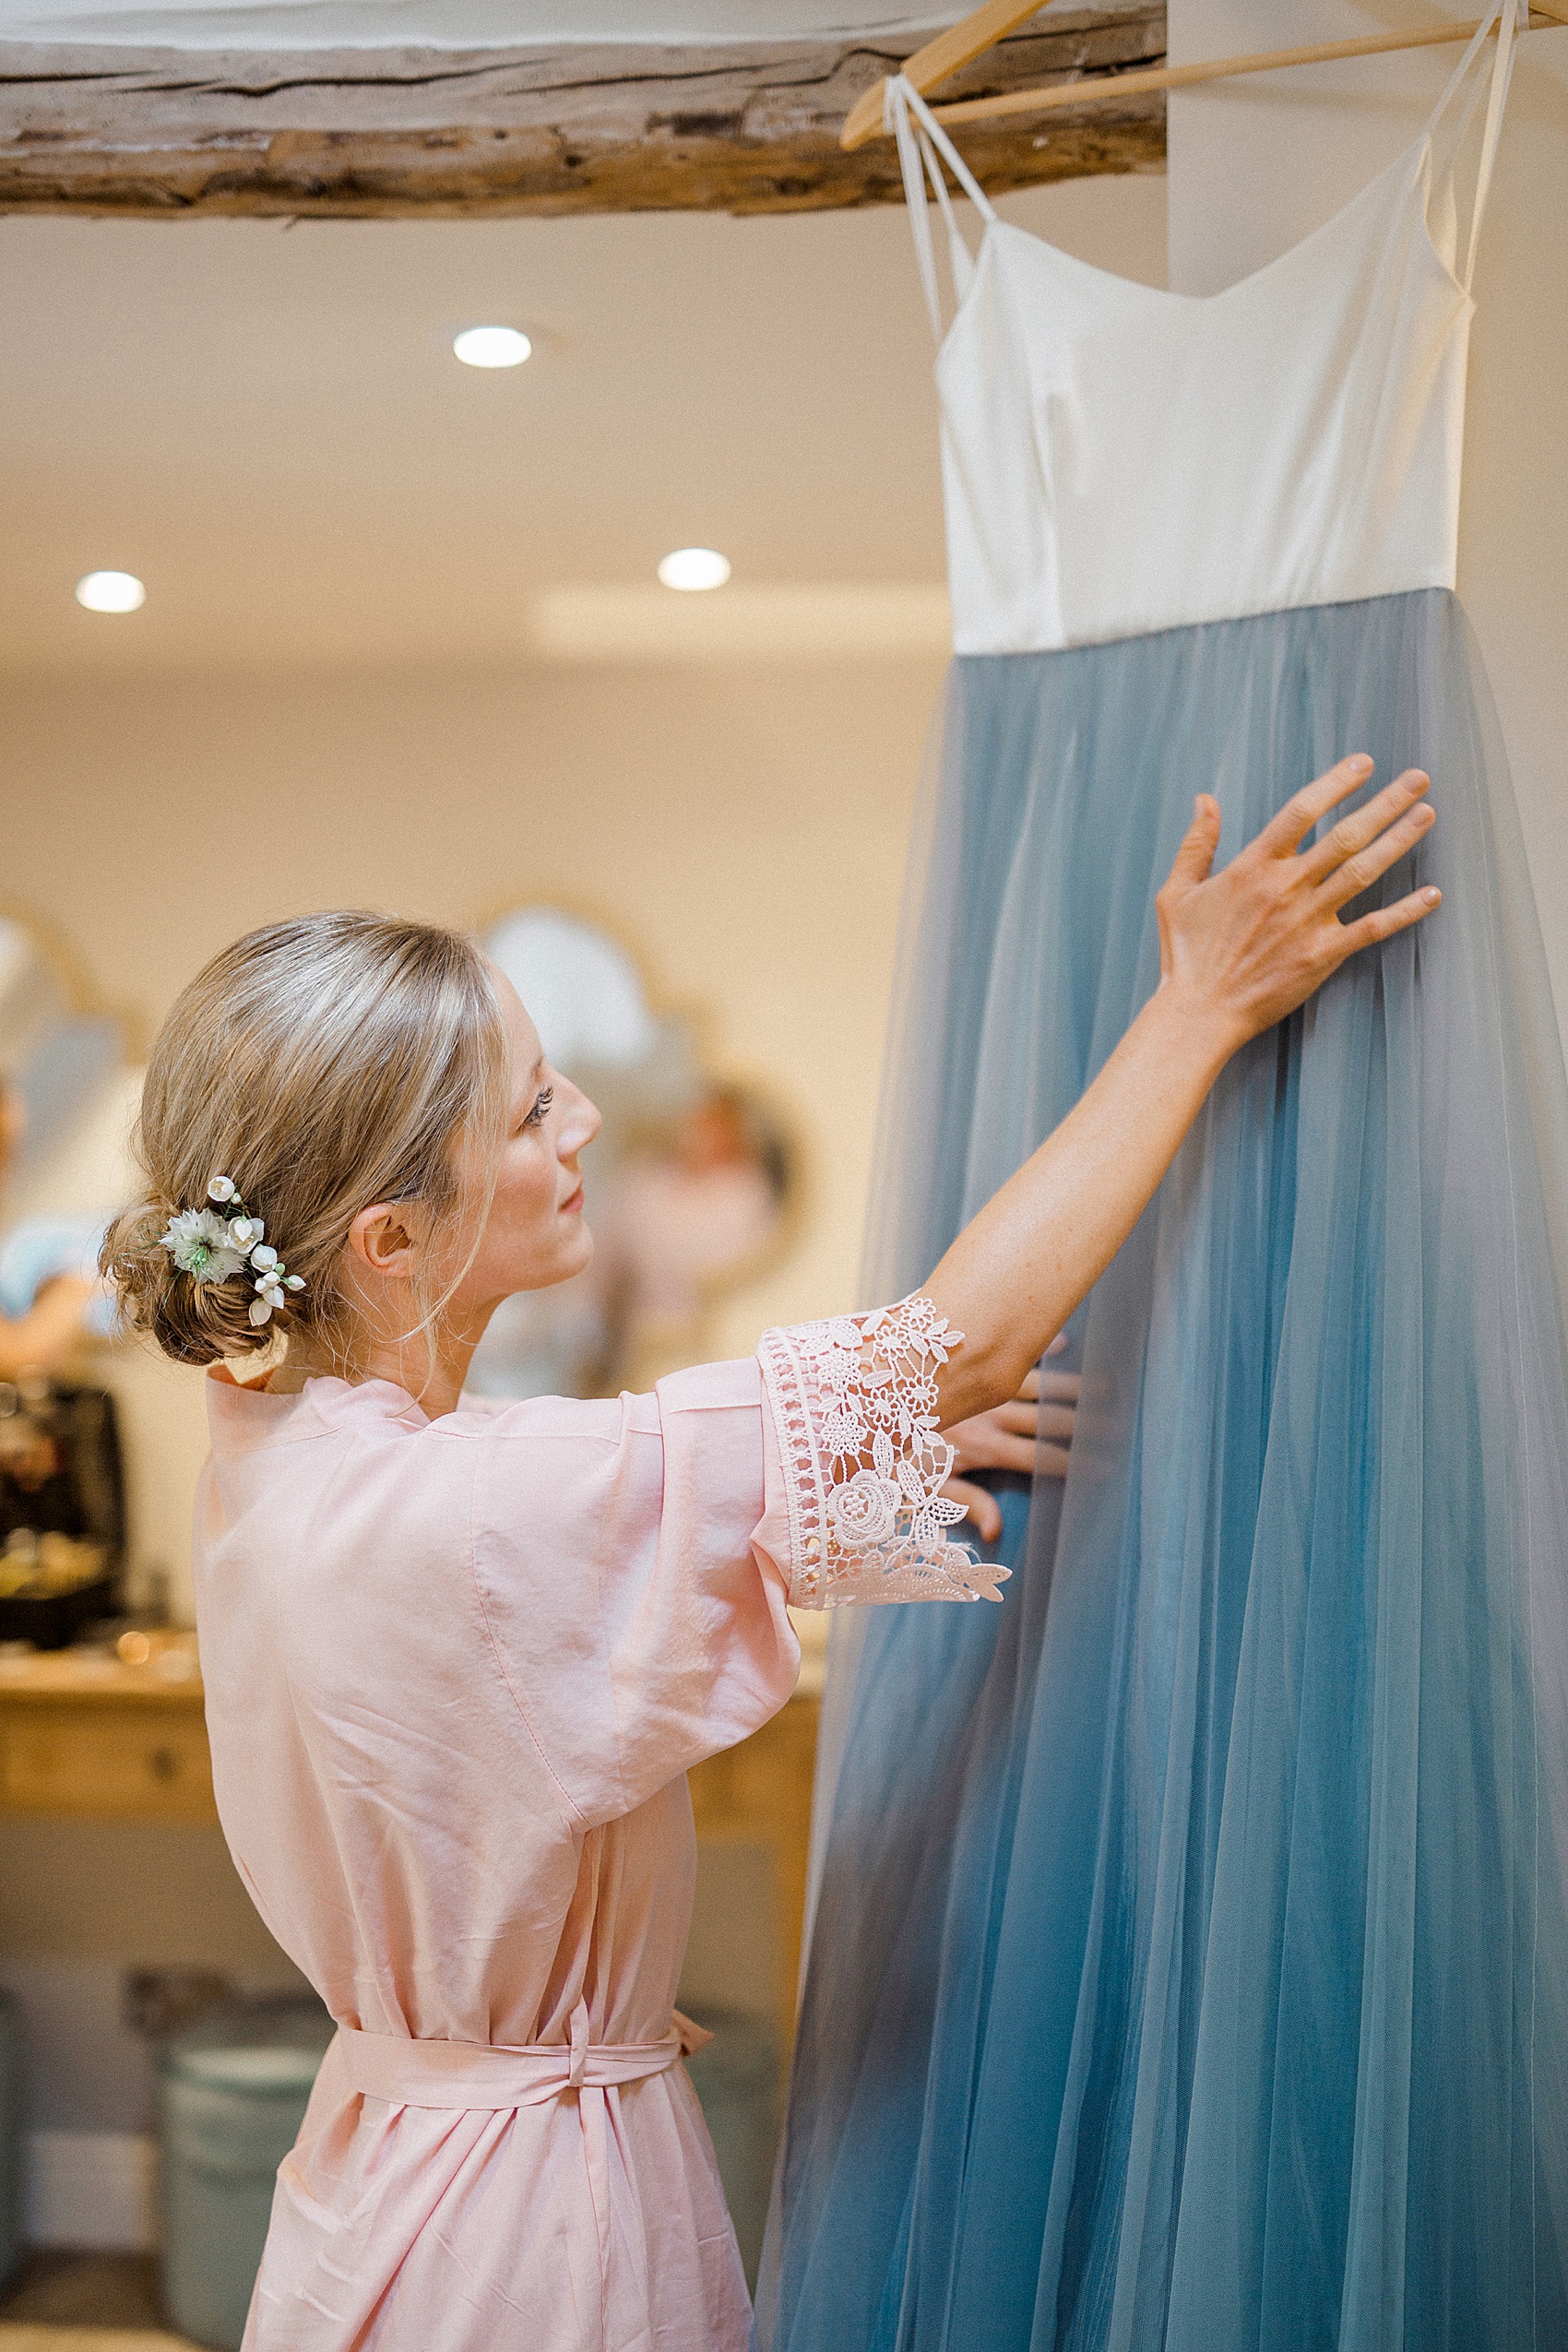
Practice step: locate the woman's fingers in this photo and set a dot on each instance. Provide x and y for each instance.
(980, 1504)
(1383, 921)
(1284, 834)
(1194, 858)
(1038, 1420)
(1357, 874)
(1355, 832)
(1250, 943)
(1018, 1418)
(1013, 1437)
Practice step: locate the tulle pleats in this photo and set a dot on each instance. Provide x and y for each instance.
(1190, 1961)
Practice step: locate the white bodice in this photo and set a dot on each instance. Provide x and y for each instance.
(1118, 459)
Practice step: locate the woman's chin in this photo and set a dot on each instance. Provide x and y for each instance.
(576, 1250)
(572, 1254)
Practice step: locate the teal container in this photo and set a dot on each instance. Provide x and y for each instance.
(11, 2128)
(231, 2097)
(736, 2078)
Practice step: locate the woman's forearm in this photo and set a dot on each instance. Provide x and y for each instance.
(1018, 1269)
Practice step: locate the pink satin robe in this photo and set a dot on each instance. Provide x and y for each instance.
(456, 1672)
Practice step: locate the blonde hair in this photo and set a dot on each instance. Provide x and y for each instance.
(324, 1063)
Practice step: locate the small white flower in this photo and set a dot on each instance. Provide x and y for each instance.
(244, 1230)
(838, 1375)
(260, 1312)
(198, 1241)
(843, 1431)
(221, 1266)
(293, 1282)
(881, 1405)
(221, 1188)
(264, 1257)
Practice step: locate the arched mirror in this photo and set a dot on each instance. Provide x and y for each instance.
(692, 1183)
(65, 1101)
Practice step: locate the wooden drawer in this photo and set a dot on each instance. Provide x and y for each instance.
(120, 1762)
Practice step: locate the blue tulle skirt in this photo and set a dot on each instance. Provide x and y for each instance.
(1190, 1961)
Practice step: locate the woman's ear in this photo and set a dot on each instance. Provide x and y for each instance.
(383, 1239)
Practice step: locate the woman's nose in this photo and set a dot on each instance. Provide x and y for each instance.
(581, 1123)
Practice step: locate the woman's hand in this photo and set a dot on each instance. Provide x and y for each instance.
(1030, 1436)
(1249, 943)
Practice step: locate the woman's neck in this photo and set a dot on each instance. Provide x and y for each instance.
(431, 1371)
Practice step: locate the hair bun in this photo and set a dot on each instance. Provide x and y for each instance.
(196, 1323)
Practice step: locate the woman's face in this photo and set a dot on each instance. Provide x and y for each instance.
(535, 1233)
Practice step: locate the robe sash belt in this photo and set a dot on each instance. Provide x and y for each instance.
(480, 2075)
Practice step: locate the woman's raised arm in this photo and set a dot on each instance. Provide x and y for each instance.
(1239, 950)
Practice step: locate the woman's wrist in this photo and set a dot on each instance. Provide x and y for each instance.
(1195, 1026)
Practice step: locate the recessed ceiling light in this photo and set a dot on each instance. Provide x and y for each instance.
(491, 346)
(695, 567)
(111, 593)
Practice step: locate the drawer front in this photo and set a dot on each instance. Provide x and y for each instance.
(124, 1763)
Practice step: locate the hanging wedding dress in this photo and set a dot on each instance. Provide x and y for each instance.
(1189, 1966)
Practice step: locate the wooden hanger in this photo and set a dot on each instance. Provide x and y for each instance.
(974, 35)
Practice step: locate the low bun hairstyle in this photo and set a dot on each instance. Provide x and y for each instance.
(324, 1063)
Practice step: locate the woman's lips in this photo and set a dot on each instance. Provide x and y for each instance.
(570, 1207)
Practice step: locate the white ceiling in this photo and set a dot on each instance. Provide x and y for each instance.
(266, 423)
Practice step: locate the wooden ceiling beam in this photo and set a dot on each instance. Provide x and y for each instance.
(391, 134)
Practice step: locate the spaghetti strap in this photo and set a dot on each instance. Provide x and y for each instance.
(920, 143)
(1509, 18)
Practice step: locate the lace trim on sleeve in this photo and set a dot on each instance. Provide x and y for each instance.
(855, 1405)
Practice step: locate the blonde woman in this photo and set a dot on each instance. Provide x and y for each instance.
(459, 1656)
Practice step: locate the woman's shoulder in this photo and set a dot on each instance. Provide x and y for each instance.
(697, 1388)
(541, 1419)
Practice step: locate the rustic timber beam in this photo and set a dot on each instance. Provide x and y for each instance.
(439, 133)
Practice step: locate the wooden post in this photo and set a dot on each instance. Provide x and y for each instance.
(438, 133)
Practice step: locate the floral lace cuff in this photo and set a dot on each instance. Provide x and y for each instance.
(854, 1406)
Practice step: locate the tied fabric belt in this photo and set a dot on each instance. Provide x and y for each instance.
(484, 2075)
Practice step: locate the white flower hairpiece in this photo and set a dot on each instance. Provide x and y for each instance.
(214, 1244)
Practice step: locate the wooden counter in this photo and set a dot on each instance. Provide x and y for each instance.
(89, 1733)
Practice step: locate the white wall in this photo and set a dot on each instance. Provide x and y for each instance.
(1256, 164)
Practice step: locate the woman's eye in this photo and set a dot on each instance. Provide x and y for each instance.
(542, 1101)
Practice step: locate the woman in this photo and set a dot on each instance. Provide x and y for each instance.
(459, 1656)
